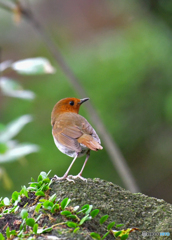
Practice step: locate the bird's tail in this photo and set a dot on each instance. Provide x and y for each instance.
(90, 142)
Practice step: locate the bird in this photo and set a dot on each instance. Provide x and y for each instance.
(73, 135)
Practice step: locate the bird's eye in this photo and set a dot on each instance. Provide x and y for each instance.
(71, 103)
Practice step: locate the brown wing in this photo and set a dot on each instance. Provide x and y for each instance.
(72, 129)
(67, 136)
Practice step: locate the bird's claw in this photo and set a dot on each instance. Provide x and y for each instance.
(56, 178)
(69, 178)
(77, 176)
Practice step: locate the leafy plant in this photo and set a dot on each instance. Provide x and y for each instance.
(74, 217)
(11, 150)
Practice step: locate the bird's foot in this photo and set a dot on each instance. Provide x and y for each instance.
(77, 176)
(56, 178)
(69, 179)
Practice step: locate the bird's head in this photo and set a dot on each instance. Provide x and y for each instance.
(67, 105)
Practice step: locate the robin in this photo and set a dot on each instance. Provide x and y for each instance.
(72, 133)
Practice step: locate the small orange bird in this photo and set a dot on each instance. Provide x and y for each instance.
(72, 134)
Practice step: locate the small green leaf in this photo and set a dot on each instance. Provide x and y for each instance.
(23, 225)
(72, 224)
(34, 184)
(48, 205)
(50, 182)
(20, 233)
(44, 230)
(53, 197)
(35, 228)
(13, 232)
(32, 188)
(103, 219)
(68, 214)
(40, 178)
(40, 193)
(38, 217)
(117, 233)
(110, 225)
(85, 208)
(94, 213)
(104, 236)
(46, 180)
(84, 219)
(24, 214)
(30, 222)
(119, 225)
(65, 213)
(55, 208)
(89, 209)
(65, 203)
(76, 230)
(15, 209)
(43, 174)
(95, 235)
(125, 236)
(8, 232)
(1, 237)
(38, 207)
(24, 191)
(71, 216)
(44, 188)
(15, 195)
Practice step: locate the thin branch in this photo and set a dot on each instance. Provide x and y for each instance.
(115, 154)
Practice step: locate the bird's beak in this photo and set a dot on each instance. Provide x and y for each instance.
(83, 100)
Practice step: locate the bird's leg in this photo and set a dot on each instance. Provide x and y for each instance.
(65, 176)
(80, 173)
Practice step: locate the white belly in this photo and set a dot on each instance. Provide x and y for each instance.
(70, 152)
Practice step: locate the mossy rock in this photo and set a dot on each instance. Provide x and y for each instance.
(133, 210)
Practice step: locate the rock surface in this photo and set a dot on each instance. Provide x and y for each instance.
(133, 210)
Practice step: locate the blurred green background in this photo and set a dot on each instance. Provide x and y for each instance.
(122, 53)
